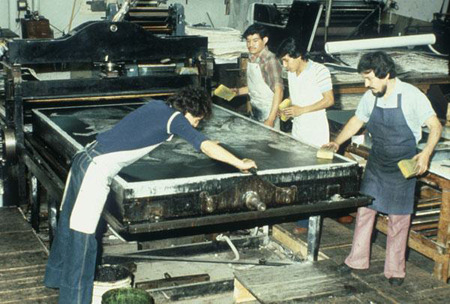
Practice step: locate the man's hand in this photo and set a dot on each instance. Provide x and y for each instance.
(246, 165)
(331, 145)
(293, 111)
(269, 122)
(240, 91)
(422, 160)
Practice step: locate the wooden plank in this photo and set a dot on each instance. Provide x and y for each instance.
(420, 227)
(333, 233)
(18, 286)
(416, 281)
(21, 274)
(38, 294)
(296, 245)
(416, 242)
(22, 262)
(444, 219)
(435, 295)
(312, 281)
(241, 294)
(53, 299)
(12, 220)
(16, 242)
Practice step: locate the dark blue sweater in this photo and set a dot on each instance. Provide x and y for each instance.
(147, 126)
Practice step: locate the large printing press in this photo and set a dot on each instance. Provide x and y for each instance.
(322, 20)
(60, 93)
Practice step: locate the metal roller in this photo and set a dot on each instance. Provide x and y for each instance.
(8, 145)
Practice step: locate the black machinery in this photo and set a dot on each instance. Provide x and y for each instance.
(96, 63)
(320, 21)
(152, 15)
(60, 93)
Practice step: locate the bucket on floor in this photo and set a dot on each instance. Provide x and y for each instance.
(109, 277)
(127, 296)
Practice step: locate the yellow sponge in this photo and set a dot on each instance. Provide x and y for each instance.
(284, 104)
(326, 153)
(407, 167)
(224, 92)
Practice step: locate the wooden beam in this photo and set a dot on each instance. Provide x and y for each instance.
(297, 246)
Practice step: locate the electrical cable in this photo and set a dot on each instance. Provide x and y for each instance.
(436, 52)
(72, 16)
(222, 237)
(116, 234)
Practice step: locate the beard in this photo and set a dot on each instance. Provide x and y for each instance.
(381, 92)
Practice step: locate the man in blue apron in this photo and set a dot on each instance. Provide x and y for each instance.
(394, 112)
(71, 264)
(264, 83)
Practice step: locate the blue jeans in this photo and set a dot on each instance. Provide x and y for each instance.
(72, 260)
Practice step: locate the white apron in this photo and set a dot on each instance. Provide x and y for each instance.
(96, 183)
(261, 96)
(311, 128)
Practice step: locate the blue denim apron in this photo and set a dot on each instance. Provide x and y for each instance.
(392, 141)
(71, 264)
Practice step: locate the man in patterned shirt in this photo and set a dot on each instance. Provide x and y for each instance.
(264, 83)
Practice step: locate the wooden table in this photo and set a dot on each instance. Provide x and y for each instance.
(422, 81)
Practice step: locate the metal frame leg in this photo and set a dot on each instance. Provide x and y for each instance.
(313, 237)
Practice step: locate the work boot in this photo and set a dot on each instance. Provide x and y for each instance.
(346, 219)
(297, 230)
(396, 281)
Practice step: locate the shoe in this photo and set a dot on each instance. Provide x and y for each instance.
(396, 281)
(299, 230)
(346, 219)
(344, 269)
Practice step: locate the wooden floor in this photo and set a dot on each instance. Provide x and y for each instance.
(368, 286)
(22, 262)
(23, 258)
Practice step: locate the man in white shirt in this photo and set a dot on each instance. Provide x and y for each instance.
(311, 92)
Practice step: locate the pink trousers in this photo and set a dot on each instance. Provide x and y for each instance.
(397, 237)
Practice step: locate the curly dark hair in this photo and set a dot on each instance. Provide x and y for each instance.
(193, 100)
(379, 62)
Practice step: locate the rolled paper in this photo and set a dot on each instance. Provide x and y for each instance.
(378, 43)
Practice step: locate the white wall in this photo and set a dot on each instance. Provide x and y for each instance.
(57, 11)
(419, 9)
(8, 12)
